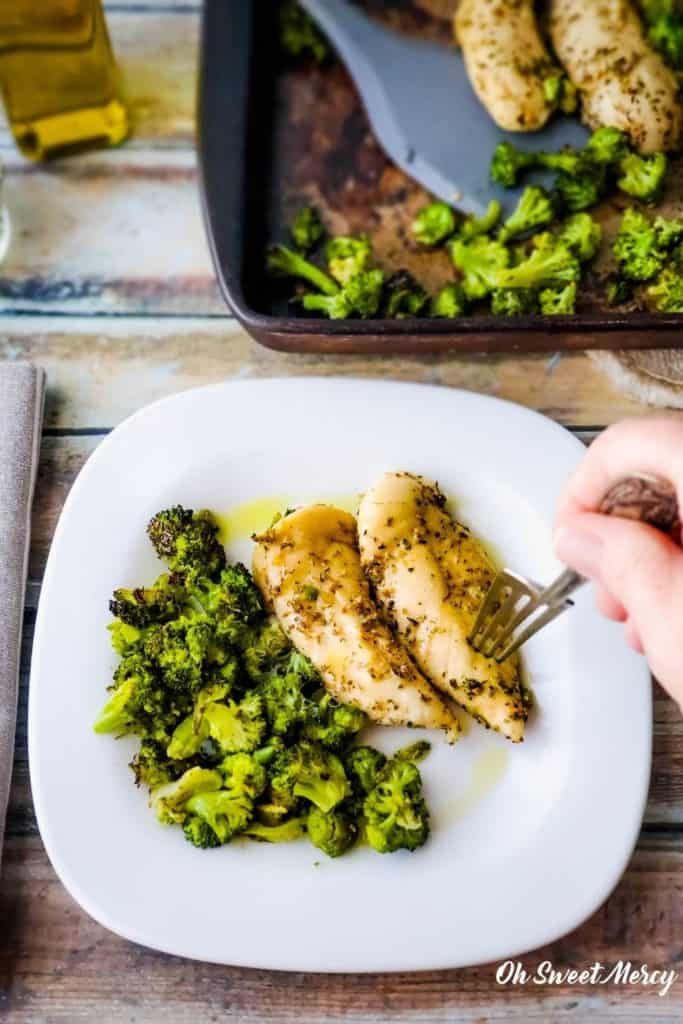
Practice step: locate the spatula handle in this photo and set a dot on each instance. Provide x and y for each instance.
(647, 499)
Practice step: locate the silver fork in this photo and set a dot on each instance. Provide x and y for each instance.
(515, 608)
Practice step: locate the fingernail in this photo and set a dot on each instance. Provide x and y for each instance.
(580, 550)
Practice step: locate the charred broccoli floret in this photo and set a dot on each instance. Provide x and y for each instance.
(187, 541)
(333, 724)
(233, 602)
(513, 301)
(198, 832)
(480, 261)
(264, 649)
(434, 224)
(403, 296)
(170, 800)
(299, 35)
(347, 256)
(619, 290)
(643, 176)
(333, 832)
(284, 702)
(534, 209)
(363, 766)
(396, 815)
(667, 291)
(449, 302)
(138, 703)
(558, 301)
(124, 638)
(583, 189)
(306, 228)
(152, 767)
(142, 606)
(236, 726)
(308, 770)
(179, 648)
(414, 752)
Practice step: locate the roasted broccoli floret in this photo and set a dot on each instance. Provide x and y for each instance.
(347, 256)
(264, 649)
(124, 638)
(152, 767)
(284, 262)
(284, 702)
(473, 226)
(307, 228)
(187, 541)
(228, 810)
(236, 726)
(450, 301)
(198, 832)
(508, 164)
(396, 815)
(299, 35)
(583, 189)
(169, 801)
(361, 296)
(333, 832)
(550, 264)
(233, 602)
(643, 176)
(637, 248)
(434, 224)
(665, 29)
(581, 234)
(414, 752)
(480, 260)
(667, 291)
(363, 766)
(558, 301)
(534, 209)
(178, 648)
(285, 832)
(668, 232)
(403, 296)
(513, 301)
(138, 702)
(308, 770)
(142, 606)
(606, 146)
(333, 724)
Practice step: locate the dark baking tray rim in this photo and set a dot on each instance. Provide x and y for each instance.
(223, 135)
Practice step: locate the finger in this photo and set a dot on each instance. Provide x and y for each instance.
(609, 606)
(649, 445)
(633, 637)
(643, 568)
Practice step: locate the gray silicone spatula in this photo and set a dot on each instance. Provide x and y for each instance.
(423, 110)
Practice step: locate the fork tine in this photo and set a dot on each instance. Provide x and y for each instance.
(491, 601)
(488, 639)
(515, 642)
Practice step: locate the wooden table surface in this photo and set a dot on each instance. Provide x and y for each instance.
(108, 285)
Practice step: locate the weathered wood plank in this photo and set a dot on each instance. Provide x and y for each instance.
(57, 965)
(102, 369)
(156, 47)
(113, 232)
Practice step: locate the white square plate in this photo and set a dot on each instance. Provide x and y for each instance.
(527, 840)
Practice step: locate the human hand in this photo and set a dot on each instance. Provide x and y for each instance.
(638, 570)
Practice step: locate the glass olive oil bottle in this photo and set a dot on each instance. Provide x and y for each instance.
(58, 77)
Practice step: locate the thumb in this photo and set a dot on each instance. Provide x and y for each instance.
(643, 569)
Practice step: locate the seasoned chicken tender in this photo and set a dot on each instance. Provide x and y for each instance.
(307, 566)
(431, 576)
(507, 62)
(623, 82)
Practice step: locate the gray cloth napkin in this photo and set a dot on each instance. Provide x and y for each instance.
(22, 390)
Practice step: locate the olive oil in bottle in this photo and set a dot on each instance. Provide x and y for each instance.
(58, 77)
